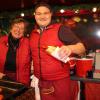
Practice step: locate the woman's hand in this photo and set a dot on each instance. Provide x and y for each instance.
(1, 75)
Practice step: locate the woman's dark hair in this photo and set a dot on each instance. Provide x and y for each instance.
(15, 21)
(43, 4)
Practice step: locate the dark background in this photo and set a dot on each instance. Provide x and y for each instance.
(86, 31)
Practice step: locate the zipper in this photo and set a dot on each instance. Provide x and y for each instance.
(40, 74)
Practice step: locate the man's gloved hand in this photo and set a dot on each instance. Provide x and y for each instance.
(34, 82)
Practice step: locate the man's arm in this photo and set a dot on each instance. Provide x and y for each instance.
(77, 48)
(72, 44)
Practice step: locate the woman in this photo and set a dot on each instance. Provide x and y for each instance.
(15, 53)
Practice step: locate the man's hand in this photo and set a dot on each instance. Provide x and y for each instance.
(64, 51)
(34, 82)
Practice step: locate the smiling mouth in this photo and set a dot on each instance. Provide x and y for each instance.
(17, 33)
(43, 20)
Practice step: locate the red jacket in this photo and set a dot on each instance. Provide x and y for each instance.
(22, 58)
(44, 64)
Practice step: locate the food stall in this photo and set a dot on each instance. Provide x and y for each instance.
(15, 91)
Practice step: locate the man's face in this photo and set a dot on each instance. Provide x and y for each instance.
(43, 16)
(17, 30)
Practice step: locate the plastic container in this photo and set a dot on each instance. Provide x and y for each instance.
(84, 65)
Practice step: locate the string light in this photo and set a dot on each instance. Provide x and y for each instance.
(85, 20)
(22, 14)
(98, 33)
(62, 11)
(94, 9)
(76, 11)
(22, 6)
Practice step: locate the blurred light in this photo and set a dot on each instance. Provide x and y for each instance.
(22, 14)
(62, 11)
(58, 20)
(96, 20)
(98, 33)
(76, 19)
(95, 16)
(94, 9)
(76, 11)
(85, 20)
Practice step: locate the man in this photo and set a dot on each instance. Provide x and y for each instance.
(53, 75)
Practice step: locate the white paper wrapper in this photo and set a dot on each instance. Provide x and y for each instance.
(34, 83)
(55, 54)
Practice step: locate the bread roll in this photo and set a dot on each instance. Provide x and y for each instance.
(50, 49)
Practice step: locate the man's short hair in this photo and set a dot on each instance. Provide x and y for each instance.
(43, 4)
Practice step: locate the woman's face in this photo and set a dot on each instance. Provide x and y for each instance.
(43, 16)
(18, 30)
